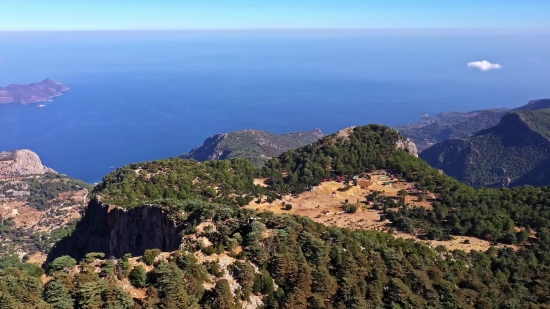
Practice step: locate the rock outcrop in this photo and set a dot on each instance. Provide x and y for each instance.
(21, 163)
(31, 93)
(408, 145)
(116, 231)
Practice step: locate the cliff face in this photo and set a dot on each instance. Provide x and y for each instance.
(116, 231)
(31, 93)
(20, 163)
(208, 149)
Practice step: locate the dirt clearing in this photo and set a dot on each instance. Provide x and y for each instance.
(323, 204)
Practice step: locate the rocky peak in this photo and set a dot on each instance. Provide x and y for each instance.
(20, 163)
(408, 145)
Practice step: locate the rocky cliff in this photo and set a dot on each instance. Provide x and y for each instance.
(408, 145)
(20, 163)
(116, 231)
(31, 93)
(255, 145)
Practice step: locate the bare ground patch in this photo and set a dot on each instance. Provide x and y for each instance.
(324, 205)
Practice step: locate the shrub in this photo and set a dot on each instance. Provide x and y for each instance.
(208, 250)
(63, 263)
(138, 277)
(92, 256)
(288, 207)
(349, 208)
(149, 256)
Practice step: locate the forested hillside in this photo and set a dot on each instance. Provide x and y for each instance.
(230, 256)
(443, 126)
(440, 127)
(281, 261)
(254, 145)
(501, 156)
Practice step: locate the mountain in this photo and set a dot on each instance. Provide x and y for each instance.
(437, 128)
(535, 104)
(255, 145)
(512, 153)
(443, 126)
(37, 205)
(31, 93)
(180, 233)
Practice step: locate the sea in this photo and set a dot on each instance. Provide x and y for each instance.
(145, 95)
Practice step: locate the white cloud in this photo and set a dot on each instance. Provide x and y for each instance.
(484, 65)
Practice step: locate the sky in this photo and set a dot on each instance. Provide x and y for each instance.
(69, 15)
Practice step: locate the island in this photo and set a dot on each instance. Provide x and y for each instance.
(31, 93)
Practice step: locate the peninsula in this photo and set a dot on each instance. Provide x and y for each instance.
(31, 93)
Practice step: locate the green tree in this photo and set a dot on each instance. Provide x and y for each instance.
(138, 277)
(88, 295)
(222, 297)
(63, 263)
(56, 294)
(149, 256)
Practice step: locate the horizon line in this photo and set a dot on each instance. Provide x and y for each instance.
(286, 29)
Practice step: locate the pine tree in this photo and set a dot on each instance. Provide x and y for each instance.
(114, 297)
(7, 301)
(88, 295)
(222, 297)
(152, 299)
(138, 276)
(56, 294)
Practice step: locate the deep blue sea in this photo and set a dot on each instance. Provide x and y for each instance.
(139, 96)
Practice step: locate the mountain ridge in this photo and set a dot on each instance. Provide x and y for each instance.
(430, 130)
(255, 145)
(500, 155)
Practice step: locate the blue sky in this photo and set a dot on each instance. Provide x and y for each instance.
(18, 15)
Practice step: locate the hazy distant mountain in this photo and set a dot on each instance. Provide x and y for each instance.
(512, 153)
(535, 104)
(440, 127)
(31, 93)
(255, 145)
(437, 128)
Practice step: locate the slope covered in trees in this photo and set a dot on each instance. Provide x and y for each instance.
(292, 262)
(440, 127)
(287, 262)
(443, 126)
(254, 145)
(501, 155)
(481, 213)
